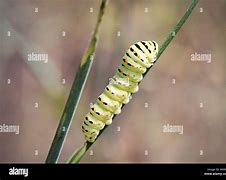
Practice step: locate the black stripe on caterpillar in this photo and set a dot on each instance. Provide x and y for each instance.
(137, 59)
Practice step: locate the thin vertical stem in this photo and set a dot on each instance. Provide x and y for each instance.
(75, 93)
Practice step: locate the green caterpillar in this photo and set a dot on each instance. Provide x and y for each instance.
(138, 58)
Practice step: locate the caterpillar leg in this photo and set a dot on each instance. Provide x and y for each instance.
(90, 138)
(87, 130)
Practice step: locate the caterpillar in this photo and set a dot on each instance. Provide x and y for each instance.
(135, 62)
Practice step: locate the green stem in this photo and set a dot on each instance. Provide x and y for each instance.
(175, 30)
(75, 93)
(78, 156)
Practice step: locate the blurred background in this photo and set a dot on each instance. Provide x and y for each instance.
(177, 91)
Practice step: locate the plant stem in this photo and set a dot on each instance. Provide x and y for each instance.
(75, 93)
(78, 156)
(175, 30)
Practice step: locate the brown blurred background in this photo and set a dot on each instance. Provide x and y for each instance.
(159, 101)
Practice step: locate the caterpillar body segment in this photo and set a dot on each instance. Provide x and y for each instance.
(93, 122)
(131, 75)
(101, 114)
(117, 94)
(109, 104)
(133, 66)
(124, 84)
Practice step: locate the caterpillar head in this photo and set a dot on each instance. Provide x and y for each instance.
(156, 48)
(146, 51)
